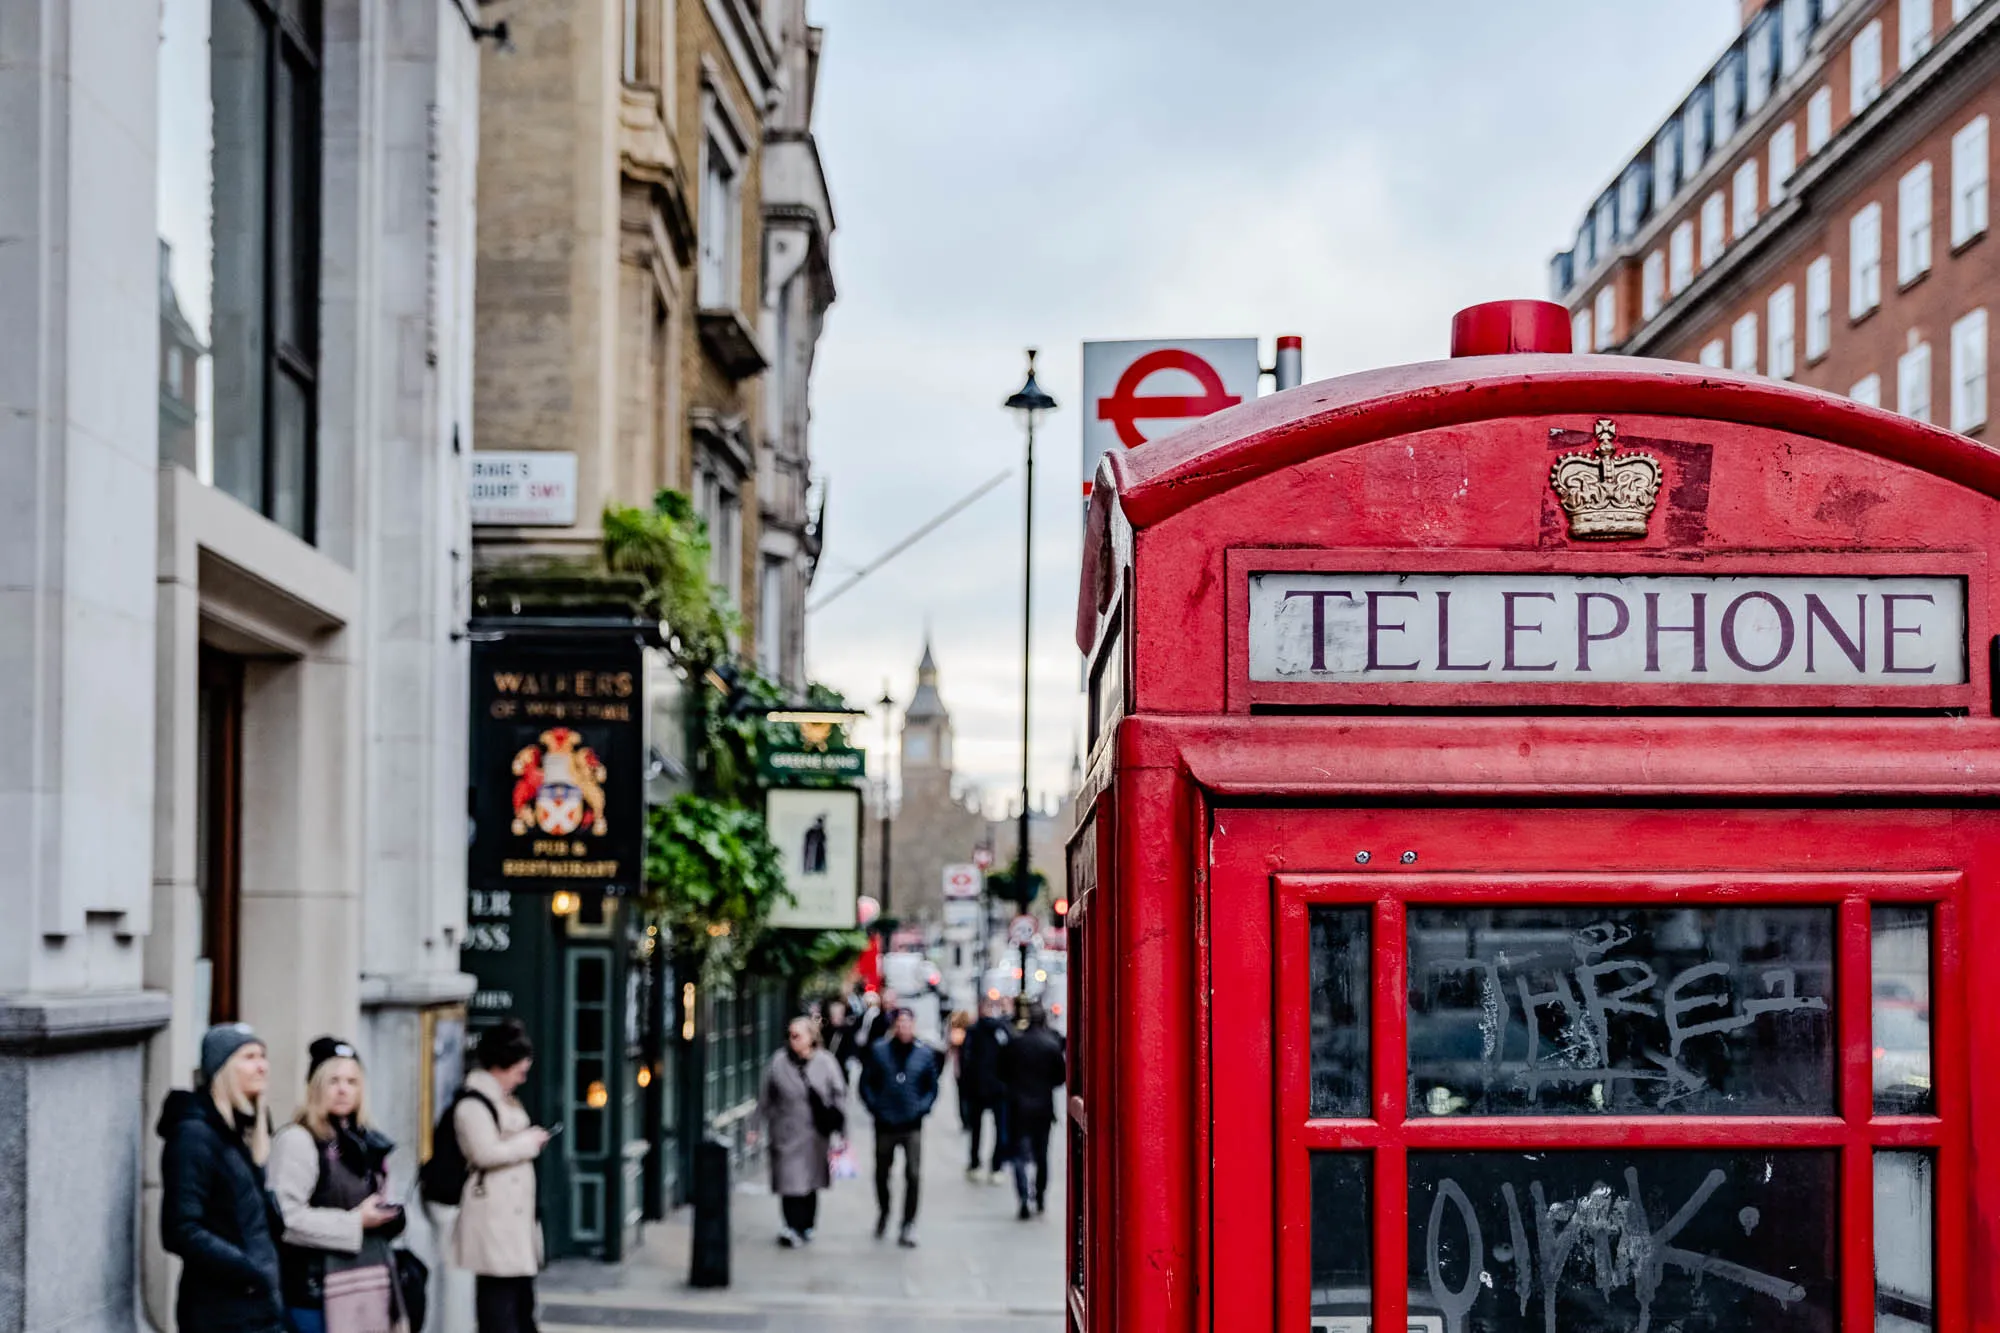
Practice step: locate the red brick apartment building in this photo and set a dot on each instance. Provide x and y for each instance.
(1815, 209)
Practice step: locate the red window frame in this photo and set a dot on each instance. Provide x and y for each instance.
(1390, 1134)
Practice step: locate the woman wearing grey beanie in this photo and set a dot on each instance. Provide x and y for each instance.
(215, 1212)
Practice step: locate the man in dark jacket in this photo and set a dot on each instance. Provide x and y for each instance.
(1032, 1066)
(214, 1210)
(899, 1085)
(979, 1087)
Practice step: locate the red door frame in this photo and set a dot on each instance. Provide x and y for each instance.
(1261, 1133)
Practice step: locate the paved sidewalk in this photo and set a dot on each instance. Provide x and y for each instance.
(977, 1269)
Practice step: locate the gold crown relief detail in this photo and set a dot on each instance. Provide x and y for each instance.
(1605, 493)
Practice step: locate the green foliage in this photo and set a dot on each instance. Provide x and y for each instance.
(815, 959)
(735, 732)
(1006, 883)
(667, 548)
(713, 879)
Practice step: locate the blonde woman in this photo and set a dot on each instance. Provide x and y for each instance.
(329, 1169)
(214, 1211)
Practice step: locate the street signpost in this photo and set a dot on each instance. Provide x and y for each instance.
(832, 761)
(1138, 392)
(528, 488)
(961, 882)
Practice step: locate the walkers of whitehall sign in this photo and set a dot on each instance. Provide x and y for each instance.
(1799, 630)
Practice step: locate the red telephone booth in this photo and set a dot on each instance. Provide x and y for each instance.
(1537, 860)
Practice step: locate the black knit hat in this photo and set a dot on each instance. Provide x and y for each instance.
(328, 1048)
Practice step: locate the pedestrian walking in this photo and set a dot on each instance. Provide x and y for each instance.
(883, 1018)
(498, 1238)
(837, 1034)
(329, 1171)
(980, 1087)
(1032, 1066)
(215, 1212)
(804, 1104)
(899, 1085)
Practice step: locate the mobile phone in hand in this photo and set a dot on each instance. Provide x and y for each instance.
(555, 1129)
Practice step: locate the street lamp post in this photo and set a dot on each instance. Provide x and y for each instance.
(1030, 400)
(888, 744)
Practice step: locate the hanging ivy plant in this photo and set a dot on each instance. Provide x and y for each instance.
(713, 879)
(667, 548)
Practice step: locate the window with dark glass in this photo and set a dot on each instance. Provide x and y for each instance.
(1339, 954)
(265, 87)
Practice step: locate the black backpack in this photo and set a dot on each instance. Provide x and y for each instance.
(443, 1175)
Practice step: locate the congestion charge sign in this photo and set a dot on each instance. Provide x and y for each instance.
(1661, 629)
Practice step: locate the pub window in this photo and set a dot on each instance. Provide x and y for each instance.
(1864, 68)
(1913, 383)
(1969, 170)
(238, 209)
(1782, 318)
(1913, 31)
(1913, 224)
(1867, 390)
(1653, 285)
(1711, 229)
(1743, 344)
(1784, 159)
(1819, 307)
(1819, 119)
(1680, 262)
(1968, 372)
(1864, 261)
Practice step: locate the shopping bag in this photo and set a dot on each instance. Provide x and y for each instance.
(841, 1163)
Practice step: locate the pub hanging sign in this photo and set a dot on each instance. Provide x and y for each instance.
(557, 764)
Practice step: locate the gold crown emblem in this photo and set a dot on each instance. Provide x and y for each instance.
(1606, 493)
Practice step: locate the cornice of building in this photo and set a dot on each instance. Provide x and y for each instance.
(1969, 55)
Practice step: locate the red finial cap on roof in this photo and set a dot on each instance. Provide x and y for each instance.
(1498, 327)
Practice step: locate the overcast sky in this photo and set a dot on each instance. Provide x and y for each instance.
(1042, 172)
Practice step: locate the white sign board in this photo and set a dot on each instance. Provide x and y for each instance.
(1657, 629)
(818, 835)
(1137, 392)
(527, 489)
(961, 881)
(961, 915)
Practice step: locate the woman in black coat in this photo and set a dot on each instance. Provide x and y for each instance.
(215, 1212)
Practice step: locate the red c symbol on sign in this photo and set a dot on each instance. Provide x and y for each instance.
(1124, 409)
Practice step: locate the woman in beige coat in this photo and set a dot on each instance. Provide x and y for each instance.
(499, 1238)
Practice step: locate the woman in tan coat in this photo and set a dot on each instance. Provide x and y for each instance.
(499, 1237)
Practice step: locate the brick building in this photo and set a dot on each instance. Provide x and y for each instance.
(1815, 209)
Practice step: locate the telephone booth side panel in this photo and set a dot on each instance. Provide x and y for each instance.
(1264, 816)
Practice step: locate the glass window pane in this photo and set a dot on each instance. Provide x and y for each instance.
(1699, 1242)
(1339, 952)
(291, 457)
(1905, 1243)
(1900, 950)
(241, 346)
(1343, 1250)
(294, 182)
(1595, 1009)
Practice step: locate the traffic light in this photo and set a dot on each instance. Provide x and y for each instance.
(1061, 907)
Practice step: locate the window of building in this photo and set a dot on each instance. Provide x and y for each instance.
(1760, 64)
(1864, 261)
(1607, 317)
(1711, 353)
(1653, 285)
(1913, 224)
(219, 830)
(1697, 132)
(1634, 197)
(1728, 96)
(630, 48)
(1798, 21)
(238, 204)
(1606, 224)
(1743, 343)
(1784, 158)
(1782, 316)
(1585, 251)
(719, 504)
(1960, 8)
(1969, 167)
(1968, 372)
(1864, 68)
(720, 279)
(1680, 261)
(1743, 215)
(1711, 229)
(1913, 383)
(771, 618)
(1579, 330)
(1819, 119)
(1867, 390)
(1559, 275)
(1819, 307)
(1913, 32)
(1667, 163)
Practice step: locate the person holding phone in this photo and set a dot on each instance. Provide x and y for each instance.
(499, 1238)
(329, 1172)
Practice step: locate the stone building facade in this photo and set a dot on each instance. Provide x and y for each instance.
(653, 276)
(236, 384)
(1817, 209)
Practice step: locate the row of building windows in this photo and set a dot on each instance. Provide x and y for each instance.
(1739, 85)
(1668, 273)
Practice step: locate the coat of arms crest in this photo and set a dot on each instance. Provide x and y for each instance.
(559, 786)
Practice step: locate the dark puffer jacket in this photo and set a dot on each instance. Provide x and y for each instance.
(217, 1216)
(899, 1084)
